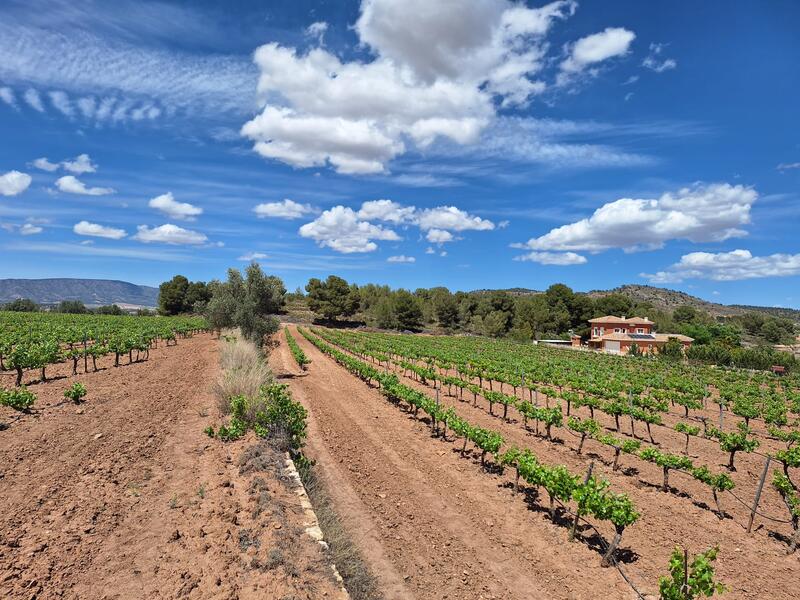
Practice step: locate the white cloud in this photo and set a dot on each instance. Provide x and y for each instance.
(430, 250)
(7, 96)
(340, 229)
(659, 66)
(655, 62)
(167, 204)
(317, 30)
(451, 218)
(251, 256)
(596, 48)
(727, 266)
(13, 183)
(787, 166)
(401, 259)
(553, 258)
(439, 236)
(703, 213)
(30, 229)
(95, 230)
(438, 68)
(60, 100)
(285, 209)
(33, 99)
(72, 185)
(79, 165)
(45, 165)
(107, 58)
(386, 210)
(169, 234)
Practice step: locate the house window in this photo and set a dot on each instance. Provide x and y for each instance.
(617, 330)
(639, 330)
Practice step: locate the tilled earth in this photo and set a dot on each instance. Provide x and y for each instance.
(125, 497)
(435, 525)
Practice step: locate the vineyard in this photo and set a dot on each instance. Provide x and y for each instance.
(34, 341)
(633, 424)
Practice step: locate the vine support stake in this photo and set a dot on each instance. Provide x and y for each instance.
(758, 493)
(720, 416)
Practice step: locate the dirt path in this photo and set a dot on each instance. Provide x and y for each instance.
(448, 529)
(126, 497)
(754, 566)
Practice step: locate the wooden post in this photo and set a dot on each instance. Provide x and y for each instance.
(720, 417)
(574, 527)
(758, 493)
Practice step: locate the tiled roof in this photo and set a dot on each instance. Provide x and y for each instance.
(640, 337)
(631, 321)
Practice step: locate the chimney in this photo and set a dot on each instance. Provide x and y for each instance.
(623, 317)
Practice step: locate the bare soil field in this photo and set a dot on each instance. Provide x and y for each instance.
(435, 525)
(125, 497)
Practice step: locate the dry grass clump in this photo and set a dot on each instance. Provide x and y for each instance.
(244, 371)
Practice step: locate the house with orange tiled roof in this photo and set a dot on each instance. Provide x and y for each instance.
(616, 335)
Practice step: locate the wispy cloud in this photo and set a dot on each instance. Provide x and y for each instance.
(88, 67)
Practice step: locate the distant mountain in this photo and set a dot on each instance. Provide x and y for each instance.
(92, 292)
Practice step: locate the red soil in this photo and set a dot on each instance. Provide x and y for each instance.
(435, 525)
(126, 497)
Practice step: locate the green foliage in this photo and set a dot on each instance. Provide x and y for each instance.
(690, 580)
(299, 356)
(72, 307)
(19, 398)
(21, 305)
(332, 298)
(75, 392)
(179, 296)
(407, 311)
(248, 302)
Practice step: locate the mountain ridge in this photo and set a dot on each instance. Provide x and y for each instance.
(92, 292)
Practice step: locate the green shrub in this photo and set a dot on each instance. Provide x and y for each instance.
(75, 392)
(17, 398)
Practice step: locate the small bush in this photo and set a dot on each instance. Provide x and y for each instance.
(17, 398)
(75, 392)
(244, 372)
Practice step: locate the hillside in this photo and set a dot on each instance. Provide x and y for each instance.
(669, 300)
(92, 292)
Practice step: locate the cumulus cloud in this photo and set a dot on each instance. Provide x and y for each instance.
(388, 211)
(439, 236)
(13, 183)
(167, 204)
(30, 229)
(655, 60)
(79, 165)
(703, 213)
(340, 229)
(251, 256)
(169, 234)
(442, 217)
(72, 185)
(553, 258)
(437, 70)
(101, 231)
(451, 218)
(45, 165)
(596, 48)
(285, 209)
(401, 259)
(727, 266)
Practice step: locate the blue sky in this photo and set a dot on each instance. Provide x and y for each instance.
(466, 143)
